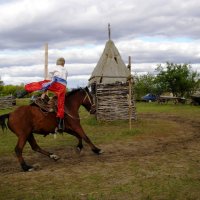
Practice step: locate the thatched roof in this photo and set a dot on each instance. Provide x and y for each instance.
(110, 67)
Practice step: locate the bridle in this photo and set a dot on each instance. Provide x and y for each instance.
(89, 98)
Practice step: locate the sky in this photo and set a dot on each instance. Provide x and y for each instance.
(151, 32)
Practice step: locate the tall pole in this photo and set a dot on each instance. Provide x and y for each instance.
(45, 65)
(130, 93)
(46, 62)
(109, 31)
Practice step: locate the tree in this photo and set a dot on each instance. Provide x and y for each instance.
(9, 89)
(176, 78)
(1, 86)
(144, 84)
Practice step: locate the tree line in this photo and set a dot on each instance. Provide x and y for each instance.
(9, 89)
(178, 79)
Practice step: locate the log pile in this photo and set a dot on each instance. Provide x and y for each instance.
(7, 102)
(112, 102)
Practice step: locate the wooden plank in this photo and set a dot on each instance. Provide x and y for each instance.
(112, 102)
(6, 102)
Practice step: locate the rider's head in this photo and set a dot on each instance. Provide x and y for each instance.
(60, 61)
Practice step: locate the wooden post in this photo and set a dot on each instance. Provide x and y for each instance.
(130, 93)
(46, 65)
(46, 62)
(109, 31)
(96, 101)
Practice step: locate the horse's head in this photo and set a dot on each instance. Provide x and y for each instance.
(88, 101)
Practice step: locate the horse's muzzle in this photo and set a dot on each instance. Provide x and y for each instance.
(93, 109)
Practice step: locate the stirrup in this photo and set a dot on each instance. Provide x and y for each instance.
(58, 130)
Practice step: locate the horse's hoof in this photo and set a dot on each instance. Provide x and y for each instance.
(101, 151)
(54, 157)
(98, 151)
(78, 150)
(27, 168)
(31, 170)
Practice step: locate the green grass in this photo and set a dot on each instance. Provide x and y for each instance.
(166, 175)
(179, 109)
(106, 132)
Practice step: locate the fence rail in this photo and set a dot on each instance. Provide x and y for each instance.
(7, 102)
(112, 102)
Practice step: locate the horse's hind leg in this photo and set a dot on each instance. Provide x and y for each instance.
(35, 147)
(18, 150)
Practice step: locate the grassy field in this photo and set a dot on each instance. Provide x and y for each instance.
(158, 159)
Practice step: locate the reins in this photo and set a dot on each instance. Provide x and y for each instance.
(87, 96)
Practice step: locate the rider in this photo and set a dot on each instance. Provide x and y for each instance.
(57, 84)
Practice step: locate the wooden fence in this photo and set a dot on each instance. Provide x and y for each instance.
(7, 102)
(112, 102)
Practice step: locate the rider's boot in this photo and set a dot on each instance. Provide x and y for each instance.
(60, 127)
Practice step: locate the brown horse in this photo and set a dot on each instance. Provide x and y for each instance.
(29, 119)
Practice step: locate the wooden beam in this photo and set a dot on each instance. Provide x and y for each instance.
(109, 36)
(46, 62)
(130, 94)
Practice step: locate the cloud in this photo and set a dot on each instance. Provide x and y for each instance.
(28, 24)
(151, 32)
(161, 52)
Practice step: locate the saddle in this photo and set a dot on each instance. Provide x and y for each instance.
(46, 104)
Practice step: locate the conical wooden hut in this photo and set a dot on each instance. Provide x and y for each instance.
(111, 86)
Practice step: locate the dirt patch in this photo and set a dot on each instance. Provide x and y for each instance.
(146, 166)
(114, 152)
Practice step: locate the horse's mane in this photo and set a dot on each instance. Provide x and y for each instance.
(73, 91)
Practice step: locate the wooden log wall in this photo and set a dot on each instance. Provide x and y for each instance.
(6, 102)
(112, 102)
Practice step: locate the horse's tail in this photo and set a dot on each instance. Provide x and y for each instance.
(2, 120)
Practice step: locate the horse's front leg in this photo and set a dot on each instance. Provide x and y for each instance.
(18, 150)
(79, 146)
(81, 133)
(35, 147)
